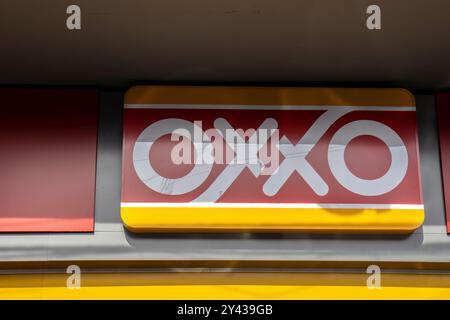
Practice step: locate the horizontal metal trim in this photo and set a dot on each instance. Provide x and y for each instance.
(269, 205)
(265, 107)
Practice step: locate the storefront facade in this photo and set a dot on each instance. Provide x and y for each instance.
(169, 251)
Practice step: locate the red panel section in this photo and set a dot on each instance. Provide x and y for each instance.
(47, 161)
(443, 111)
(366, 156)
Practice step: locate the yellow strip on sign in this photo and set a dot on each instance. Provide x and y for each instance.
(211, 286)
(268, 96)
(210, 219)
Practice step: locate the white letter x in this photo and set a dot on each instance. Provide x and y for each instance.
(295, 156)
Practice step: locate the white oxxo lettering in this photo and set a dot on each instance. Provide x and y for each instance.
(245, 154)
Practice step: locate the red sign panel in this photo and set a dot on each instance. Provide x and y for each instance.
(366, 156)
(48, 158)
(443, 113)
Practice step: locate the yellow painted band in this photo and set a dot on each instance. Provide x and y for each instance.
(268, 96)
(164, 219)
(252, 285)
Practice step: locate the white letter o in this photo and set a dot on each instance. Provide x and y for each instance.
(399, 158)
(150, 177)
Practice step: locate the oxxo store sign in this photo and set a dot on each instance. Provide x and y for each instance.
(270, 159)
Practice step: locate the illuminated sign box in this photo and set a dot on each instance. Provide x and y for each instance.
(215, 159)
